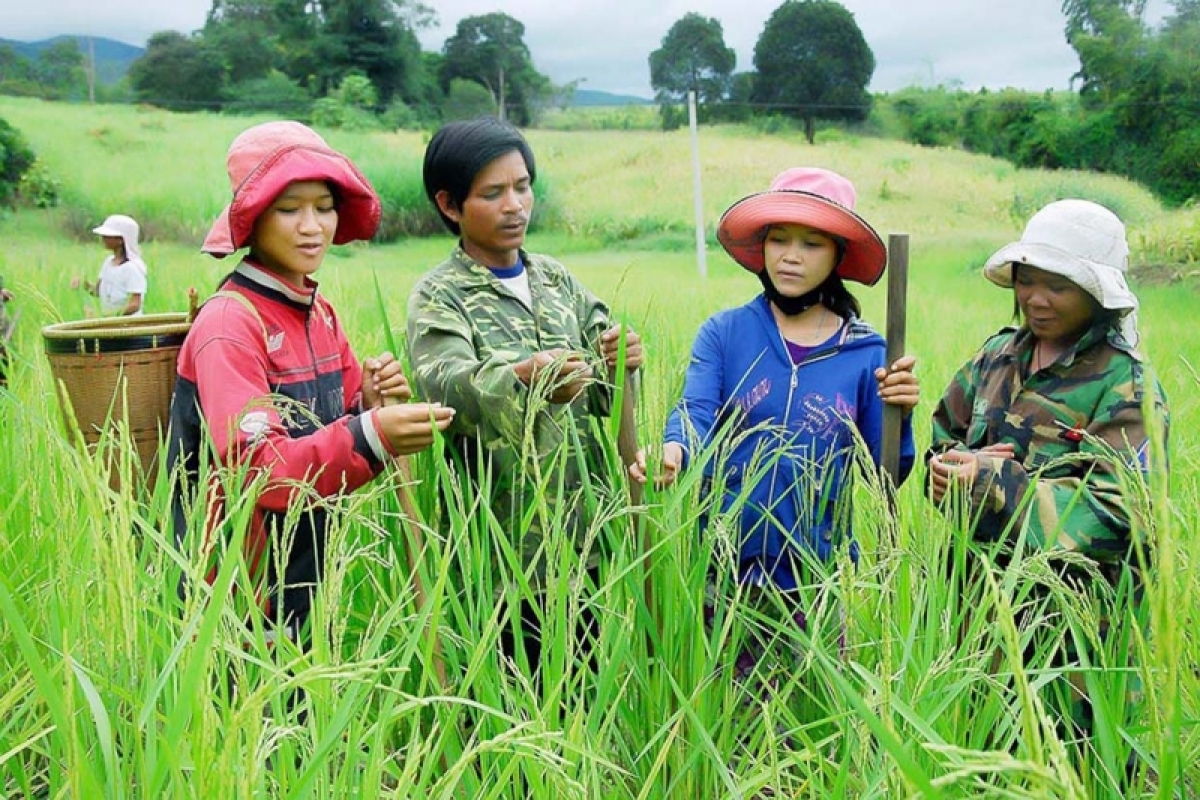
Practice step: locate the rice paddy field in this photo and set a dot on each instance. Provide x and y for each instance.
(909, 682)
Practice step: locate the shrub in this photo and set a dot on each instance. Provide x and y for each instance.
(357, 91)
(274, 92)
(38, 188)
(401, 116)
(15, 159)
(329, 112)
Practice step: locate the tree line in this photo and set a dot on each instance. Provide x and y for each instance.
(1133, 109)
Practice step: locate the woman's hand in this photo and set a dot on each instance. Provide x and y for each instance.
(961, 467)
(85, 284)
(672, 461)
(383, 379)
(898, 386)
(566, 373)
(410, 427)
(610, 346)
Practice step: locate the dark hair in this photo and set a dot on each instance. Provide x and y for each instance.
(837, 298)
(460, 150)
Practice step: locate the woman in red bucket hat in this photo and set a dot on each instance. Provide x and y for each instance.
(267, 380)
(779, 391)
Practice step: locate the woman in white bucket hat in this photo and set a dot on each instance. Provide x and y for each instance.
(1043, 432)
(121, 285)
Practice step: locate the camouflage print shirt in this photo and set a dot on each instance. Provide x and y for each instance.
(1072, 424)
(466, 331)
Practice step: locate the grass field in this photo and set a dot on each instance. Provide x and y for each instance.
(109, 689)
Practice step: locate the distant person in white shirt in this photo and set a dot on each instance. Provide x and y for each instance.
(121, 286)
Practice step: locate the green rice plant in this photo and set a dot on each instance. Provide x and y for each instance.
(111, 685)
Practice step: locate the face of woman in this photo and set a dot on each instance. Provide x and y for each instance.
(496, 212)
(292, 235)
(798, 258)
(1055, 308)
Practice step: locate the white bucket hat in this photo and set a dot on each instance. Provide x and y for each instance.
(126, 228)
(1085, 243)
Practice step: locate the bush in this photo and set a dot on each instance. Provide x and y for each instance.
(15, 160)
(275, 92)
(1178, 167)
(357, 91)
(38, 188)
(673, 115)
(399, 116)
(928, 117)
(329, 112)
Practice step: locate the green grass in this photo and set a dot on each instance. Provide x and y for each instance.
(110, 688)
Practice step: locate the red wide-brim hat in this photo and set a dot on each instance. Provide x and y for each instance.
(805, 196)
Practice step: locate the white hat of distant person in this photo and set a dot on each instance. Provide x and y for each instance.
(1081, 241)
(124, 227)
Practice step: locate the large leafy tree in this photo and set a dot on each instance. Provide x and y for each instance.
(318, 43)
(60, 68)
(490, 50)
(369, 37)
(14, 66)
(1112, 43)
(813, 63)
(245, 33)
(178, 72)
(1140, 91)
(693, 57)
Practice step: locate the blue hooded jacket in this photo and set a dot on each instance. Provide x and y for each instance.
(786, 431)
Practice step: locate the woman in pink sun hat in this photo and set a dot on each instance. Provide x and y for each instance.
(266, 379)
(779, 390)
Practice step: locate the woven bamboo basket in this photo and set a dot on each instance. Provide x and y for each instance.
(118, 371)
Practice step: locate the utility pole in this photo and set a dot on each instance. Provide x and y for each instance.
(701, 252)
(91, 71)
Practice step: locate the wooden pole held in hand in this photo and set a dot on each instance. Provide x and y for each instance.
(627, 440)
(897, 311)
(402, 475)
(627, 449)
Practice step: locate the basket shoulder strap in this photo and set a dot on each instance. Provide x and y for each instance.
(249, 306)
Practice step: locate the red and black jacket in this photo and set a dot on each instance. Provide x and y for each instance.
(268, 381)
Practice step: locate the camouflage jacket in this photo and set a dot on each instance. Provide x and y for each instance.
(1072, 424)
(466, 331)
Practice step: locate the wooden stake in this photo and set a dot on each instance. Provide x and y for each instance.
(627, 448)
(402, 475)
(897, 312)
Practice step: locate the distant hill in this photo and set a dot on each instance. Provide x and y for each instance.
(592, 97)
(112, 57)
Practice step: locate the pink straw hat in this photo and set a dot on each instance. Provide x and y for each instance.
(809, 196)
(263, 160)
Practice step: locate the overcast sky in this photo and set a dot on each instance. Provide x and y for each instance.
(972, 43)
